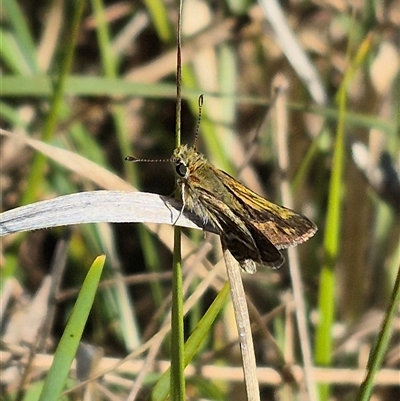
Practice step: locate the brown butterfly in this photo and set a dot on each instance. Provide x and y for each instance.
(251, 227)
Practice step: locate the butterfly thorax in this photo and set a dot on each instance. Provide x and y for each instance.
(197, 177)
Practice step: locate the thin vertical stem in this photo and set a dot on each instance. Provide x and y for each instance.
(177, 335)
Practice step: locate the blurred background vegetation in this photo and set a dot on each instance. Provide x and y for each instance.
(98, 78)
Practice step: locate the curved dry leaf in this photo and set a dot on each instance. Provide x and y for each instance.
(97, 207)
(73, 162)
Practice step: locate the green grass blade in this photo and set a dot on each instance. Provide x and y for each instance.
(177, 378)
(20, 29)
(159, 16)
(15, 86)
(323, 348)
(378, 353)
(11, 55)
(56, 103)
(161, 390)
(71, 337)
(108, 59)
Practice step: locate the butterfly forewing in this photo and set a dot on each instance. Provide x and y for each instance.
(247, 244)
(282, 226)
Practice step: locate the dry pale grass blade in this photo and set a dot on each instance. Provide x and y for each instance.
(24, 332)
(297, 57)
(24, 324)
(243, 326)
(166, 63)
(73, 162)
(53, 25)
(97, 207)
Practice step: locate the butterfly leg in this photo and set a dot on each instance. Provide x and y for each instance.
(183, 202)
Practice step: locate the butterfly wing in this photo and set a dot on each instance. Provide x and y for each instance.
(282, 226)
(247, 245)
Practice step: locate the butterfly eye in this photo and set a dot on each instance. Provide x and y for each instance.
(181, 169)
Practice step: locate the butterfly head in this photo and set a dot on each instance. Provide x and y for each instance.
(185, 160)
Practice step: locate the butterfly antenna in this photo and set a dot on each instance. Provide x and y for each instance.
(201, 98)
(136, 159)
